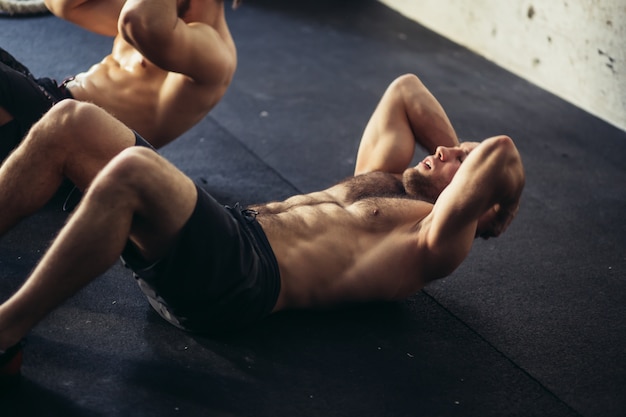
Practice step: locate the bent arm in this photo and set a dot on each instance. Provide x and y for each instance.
(490, 180)
(407, 115)
(99, 16)
(195, 49)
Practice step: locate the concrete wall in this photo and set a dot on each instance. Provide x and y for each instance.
(575, 49)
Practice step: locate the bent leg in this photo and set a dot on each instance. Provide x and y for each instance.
(73, 140)
(407, 114)
(138, 195)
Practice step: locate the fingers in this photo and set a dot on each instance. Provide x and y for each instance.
(496, 220)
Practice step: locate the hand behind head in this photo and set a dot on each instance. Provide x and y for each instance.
(496, 220)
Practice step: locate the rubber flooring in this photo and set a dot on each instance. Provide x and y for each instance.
(532, 324)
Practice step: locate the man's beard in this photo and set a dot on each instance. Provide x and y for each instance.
(419, 186)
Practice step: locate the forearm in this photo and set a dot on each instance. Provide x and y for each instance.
(428, 120)
(61, 7)
(408, 115)
(496, 171)
(512, 178)
(99, 16)
(499, 181)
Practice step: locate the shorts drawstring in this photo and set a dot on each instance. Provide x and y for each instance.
(248, 214)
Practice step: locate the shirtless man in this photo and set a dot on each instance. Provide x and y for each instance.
(171, 62)
(380, 235)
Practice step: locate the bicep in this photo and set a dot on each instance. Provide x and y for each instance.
(206, 56)
(384, 151)
(195, 50)
(387, 144)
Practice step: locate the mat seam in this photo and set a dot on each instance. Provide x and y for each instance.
(502, 354)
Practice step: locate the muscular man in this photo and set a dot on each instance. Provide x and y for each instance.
(380, 235)
(171, 62)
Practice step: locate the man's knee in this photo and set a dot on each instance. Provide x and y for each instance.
(406, 84)
(130, 177)
(64, 125)
(132, 168)
(56, 119)
(71, 114)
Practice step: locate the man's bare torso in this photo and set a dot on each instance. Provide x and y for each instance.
(159, 105)
(346, 244)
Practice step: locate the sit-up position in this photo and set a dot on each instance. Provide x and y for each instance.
(380, 235)
(171, 62)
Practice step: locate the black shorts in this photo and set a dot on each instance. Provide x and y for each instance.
(26, 98)
(220, 275)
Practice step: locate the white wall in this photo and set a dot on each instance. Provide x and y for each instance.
(575, 49)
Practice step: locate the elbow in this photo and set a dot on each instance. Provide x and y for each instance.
(503, 143)
(407, 82)
(504, 150)
(59, 8)
(138, 29)
(131, 25)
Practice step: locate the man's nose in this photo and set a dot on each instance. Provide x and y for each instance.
(445, 154)
(442, 153)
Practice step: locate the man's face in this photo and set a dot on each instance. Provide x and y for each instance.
(429, 178)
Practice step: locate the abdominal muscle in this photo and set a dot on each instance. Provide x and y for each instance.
(328, 254)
